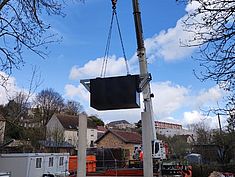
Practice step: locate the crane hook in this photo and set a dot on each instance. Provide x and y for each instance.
(114, 2)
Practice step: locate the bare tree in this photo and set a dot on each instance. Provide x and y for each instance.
(22, 28)
(213, 26)
(48, 102)
(72, 107)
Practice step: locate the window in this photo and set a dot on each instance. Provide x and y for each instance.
(61, 162)
(70, 140)
(38, 162)
(50, 161)
(92, 144)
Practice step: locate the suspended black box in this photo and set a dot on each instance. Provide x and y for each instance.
(111, 93)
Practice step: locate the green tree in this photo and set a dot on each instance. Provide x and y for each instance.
(97, 121)
(178, 146)
(224, 141)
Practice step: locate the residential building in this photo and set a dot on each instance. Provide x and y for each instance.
(172, 129)
(120, 124)
(167, 125)
(120, 139)
(63, 127)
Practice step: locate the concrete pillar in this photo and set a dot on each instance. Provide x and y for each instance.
(82, 142)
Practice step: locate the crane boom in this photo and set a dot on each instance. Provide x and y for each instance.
(148, 126)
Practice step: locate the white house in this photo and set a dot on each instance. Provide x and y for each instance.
(63, 127)
(120, 124)
(35, 164)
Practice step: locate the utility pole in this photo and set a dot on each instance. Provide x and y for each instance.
(148, 126)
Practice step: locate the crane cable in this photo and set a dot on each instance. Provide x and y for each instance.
(105, 60)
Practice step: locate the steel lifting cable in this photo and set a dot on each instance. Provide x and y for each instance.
(105, 60)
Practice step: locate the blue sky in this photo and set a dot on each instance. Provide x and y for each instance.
(179, 96)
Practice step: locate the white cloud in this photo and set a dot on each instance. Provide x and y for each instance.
(8, 89)
(209, 97)
(72, 91)
(195, 117)
(115, 66)
(168, 98)
(171, 44)
(192, 117)
(168, 44)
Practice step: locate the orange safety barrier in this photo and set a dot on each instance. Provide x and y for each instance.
(90, 163)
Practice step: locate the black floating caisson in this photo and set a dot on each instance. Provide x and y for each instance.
(112, 93)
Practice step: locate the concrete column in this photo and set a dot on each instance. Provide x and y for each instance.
(82, 142)
(147, 146)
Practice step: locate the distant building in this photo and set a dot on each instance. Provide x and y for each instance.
(2, 128)
(63, 127)
(172, 129)
(166, 125)
(120, 124)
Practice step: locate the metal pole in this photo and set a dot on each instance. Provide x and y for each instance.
(148, 126)
(82, 141)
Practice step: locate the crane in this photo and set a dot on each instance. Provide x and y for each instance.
(148, 127)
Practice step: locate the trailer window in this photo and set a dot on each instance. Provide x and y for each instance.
(50, 161)
(38, 162)
(61, 161)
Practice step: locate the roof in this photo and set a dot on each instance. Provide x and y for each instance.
(56, 144)
(101, 128)
(127, 137)
(113, 123)
(70, 122)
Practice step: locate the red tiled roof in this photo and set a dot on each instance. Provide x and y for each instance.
(101, 128)
(127, 137)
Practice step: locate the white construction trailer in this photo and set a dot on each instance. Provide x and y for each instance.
(35, 164)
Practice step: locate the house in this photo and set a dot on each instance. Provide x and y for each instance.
(120, 139)
(64, 128)
(35, 164)
(2, 128)
(120, 124)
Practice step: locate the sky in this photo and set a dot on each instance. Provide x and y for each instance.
(179, 97)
